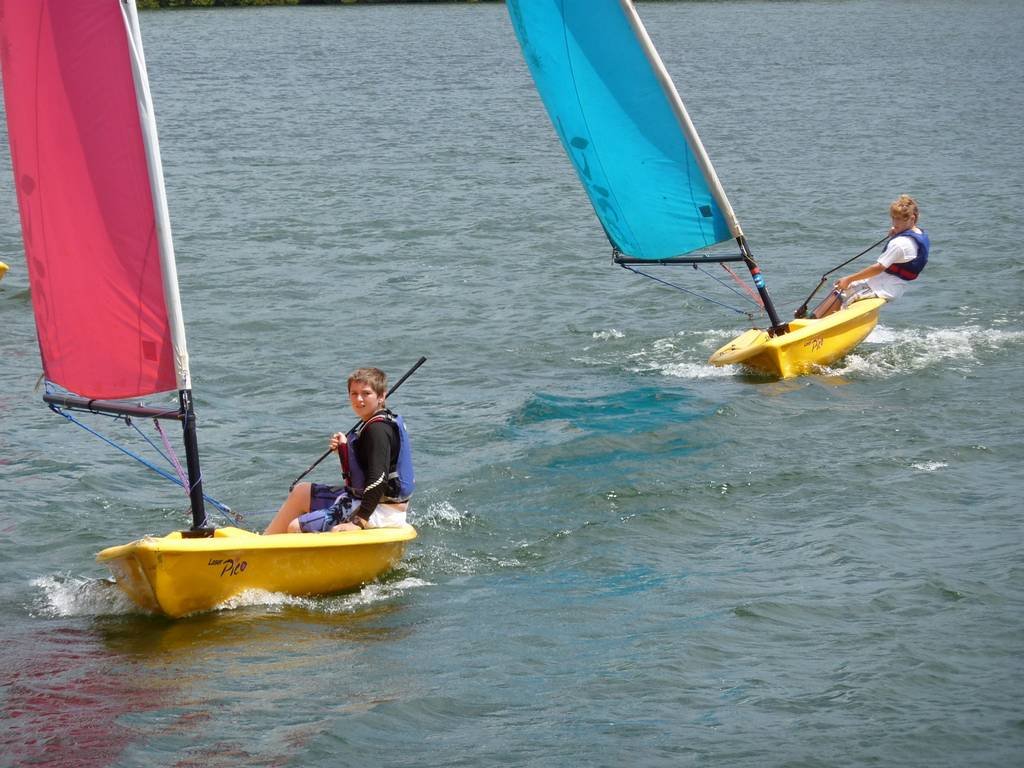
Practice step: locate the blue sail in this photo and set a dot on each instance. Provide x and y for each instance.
(623, 126)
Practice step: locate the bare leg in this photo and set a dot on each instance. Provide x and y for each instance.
(832, 303)
(295, 505)
(345, 527)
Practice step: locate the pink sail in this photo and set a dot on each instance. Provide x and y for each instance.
(84, 193)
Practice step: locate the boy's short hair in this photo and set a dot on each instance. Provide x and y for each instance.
(904, 207)
(374, 377)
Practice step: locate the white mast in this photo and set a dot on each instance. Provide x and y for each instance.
(701, 155)
(168, 268)
(161, 215)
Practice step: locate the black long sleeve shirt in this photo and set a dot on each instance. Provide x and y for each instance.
(376, 452)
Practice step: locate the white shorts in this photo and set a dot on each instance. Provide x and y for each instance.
(857, 291)
(884, 286)
(386, 516)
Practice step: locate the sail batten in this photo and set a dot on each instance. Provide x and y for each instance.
(88, 199)
(623, 126)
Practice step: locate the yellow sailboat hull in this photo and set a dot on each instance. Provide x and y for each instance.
(175, 576)
(809, 344)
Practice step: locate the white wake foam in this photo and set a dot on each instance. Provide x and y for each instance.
(684, 356)
(65, 595)
(887, 352)
(370, 594)
(439, 514)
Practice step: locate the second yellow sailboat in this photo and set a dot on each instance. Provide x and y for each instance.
(809, 344)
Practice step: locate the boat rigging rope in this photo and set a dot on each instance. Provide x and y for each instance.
(695, 293)
(744, 286)
(222, 508)
(802, 309)
(182, 477)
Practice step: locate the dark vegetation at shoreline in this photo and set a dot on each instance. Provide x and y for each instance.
(238, 3)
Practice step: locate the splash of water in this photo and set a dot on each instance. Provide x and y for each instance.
(370, 594)
(440, 515)
(67, 595)
(900, 352)
(64, 595)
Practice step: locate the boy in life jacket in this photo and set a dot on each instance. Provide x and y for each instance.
(376, 462)
(905, 255)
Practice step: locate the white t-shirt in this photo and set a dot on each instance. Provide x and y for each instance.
(900, 249)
